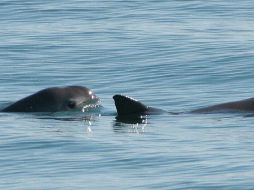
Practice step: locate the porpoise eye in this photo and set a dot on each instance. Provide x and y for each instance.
(71, 104)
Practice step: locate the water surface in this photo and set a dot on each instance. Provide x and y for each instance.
(175, 55)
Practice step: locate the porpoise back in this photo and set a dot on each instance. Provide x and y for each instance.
(128, 106)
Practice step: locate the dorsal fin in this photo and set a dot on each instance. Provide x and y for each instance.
(129, 106)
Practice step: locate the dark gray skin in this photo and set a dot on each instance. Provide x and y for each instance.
(55, 99)
(246, 105)
(127, 106)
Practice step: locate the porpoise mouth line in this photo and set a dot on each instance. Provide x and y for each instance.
(55, 99)
(90, 106)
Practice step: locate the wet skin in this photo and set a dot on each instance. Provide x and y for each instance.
(127, 106)
(55, 99)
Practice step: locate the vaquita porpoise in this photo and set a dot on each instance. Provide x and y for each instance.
(55, 99)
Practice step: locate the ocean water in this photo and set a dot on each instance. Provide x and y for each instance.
(174, 55)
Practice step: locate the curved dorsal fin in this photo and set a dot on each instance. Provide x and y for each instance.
(129, 106)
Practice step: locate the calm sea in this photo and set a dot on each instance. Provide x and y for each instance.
(176, 55)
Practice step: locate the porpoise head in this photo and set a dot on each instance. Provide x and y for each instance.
(56, 99)
(78, 98)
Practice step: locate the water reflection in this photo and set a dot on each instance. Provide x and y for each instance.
(132, 124)
(86, 118)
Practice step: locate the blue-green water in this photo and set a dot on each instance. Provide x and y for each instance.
(175, 55)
